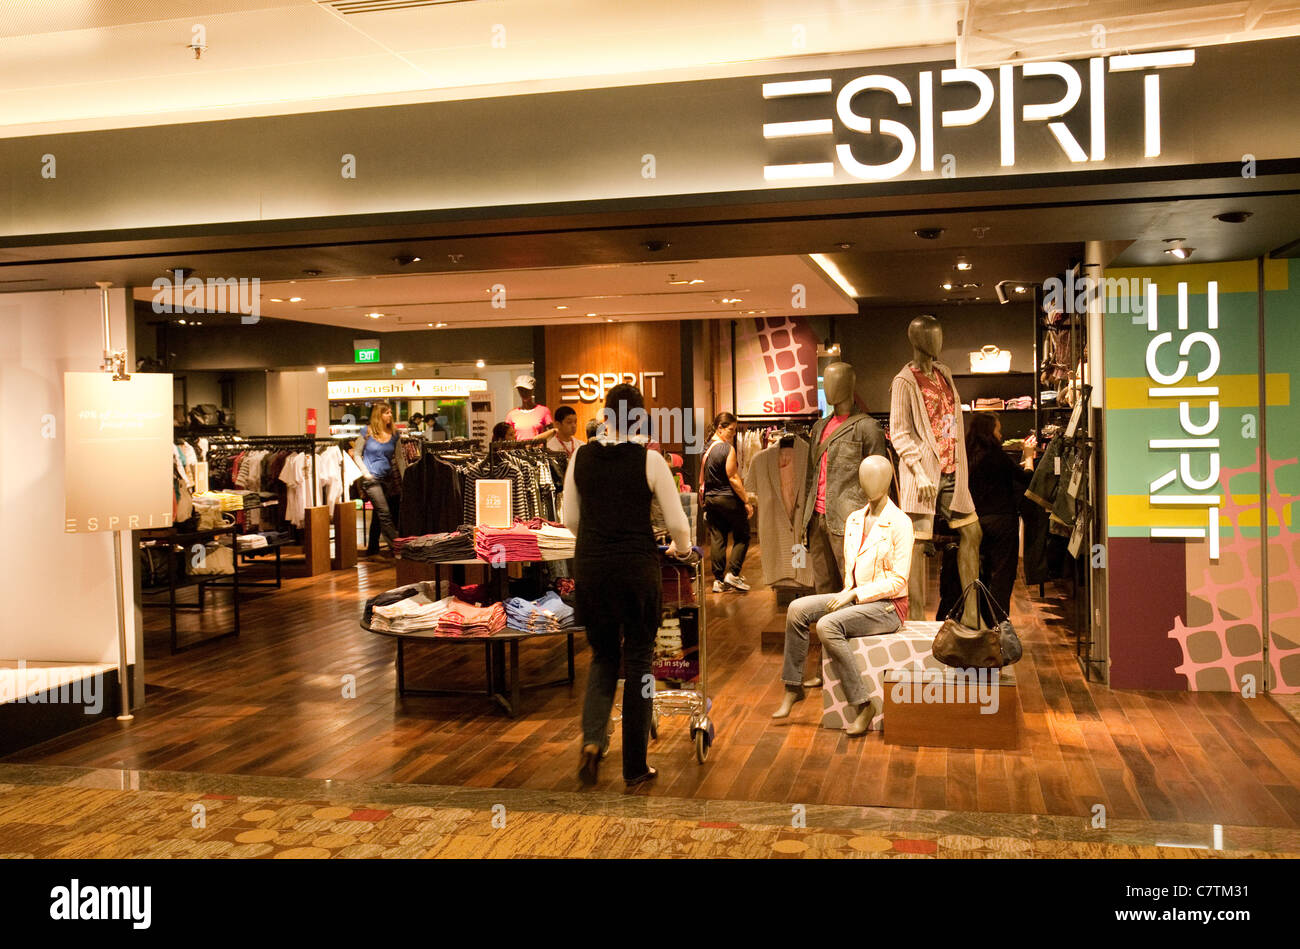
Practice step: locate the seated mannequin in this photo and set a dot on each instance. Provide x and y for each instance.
(877, 562)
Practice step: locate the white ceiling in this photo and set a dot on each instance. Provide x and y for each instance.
(68, 65)
(625, 292)
(79, 64)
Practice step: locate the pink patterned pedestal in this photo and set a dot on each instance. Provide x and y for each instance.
(874, 655)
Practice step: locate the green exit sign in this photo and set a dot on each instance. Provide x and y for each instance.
(365, 350)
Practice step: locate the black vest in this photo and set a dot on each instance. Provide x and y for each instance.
(614, 519)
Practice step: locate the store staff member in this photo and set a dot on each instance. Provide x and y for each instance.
(566, 437)
(531, 420)
(618, 576)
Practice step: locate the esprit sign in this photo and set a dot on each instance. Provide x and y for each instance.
(592, 386)
(931, 107)
(1197, 445)
(404, 388)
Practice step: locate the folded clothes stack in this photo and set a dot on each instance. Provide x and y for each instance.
(430, 548)
(556, 543)
(277, 537)
(985, 404)
(413, 613)
(250, 541)
(228, 500)
(504, 544)
(549, 614)
(462, 619)
(1021, 402)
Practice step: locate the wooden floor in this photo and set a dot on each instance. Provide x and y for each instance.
(271, 703)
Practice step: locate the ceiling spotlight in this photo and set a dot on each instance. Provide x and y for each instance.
(1182, 253)
(480, 364)
(403, 260)
(928, 233)
(730, 300)
(610, 319)
(591, 314)
(312, 273)
(1233, 217)
(374, 316)
(1020, 289)
(182, 322)
(971, 286)
(277, 300)
(947, 284)
(295, 299)
(398, 366)
(430, 325)
(962, 264)
(320, 369)
(561, 307)
(844, 245)
(438, 325)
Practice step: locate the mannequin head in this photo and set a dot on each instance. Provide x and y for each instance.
(925, 335)
(874, 474)
(839, 381)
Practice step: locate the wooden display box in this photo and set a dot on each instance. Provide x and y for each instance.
(950, 708)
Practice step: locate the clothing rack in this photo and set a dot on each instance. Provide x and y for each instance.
(303, 443)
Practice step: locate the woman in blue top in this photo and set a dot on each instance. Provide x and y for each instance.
(378, 482)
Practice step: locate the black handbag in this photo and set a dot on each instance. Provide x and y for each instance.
(960, 646)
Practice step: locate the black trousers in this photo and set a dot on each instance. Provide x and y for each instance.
(825, 552)
(618, 601)
(999, 556)
(727, 518)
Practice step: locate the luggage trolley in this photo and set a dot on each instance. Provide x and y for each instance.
(681, 657)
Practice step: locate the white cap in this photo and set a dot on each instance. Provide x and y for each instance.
(525, 382)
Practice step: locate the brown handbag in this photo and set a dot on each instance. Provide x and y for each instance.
(960, 646)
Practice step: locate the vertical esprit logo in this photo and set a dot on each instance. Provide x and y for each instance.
(190, 295)
(134, 903)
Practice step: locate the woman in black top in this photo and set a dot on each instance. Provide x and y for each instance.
(618, 575)
(727, 508)
(996, 485)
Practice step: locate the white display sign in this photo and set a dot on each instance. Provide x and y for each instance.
(593, 386)
(117, 452)
(352, 389)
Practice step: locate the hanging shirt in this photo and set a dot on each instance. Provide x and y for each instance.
(834, 423)
(940, 406)
(529, 423)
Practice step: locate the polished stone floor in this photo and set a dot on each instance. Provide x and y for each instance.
(70, 812)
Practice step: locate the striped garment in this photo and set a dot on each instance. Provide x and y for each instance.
(913, 439)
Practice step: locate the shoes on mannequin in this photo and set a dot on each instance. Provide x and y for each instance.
(793, 694)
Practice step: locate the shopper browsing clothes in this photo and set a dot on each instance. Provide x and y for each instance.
(380, 480)
(727, 506)
(566, 437)
(877, 562)
(997, 484)
(530, 419)
(503, 432)
(608, 488)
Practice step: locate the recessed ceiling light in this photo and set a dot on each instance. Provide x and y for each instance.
(962, 264)
(295, 299)
(1020, 289)
(438, 325)
(844, 245)
(1182, 253)
(610, 319)
(947, 284)
(399, 366)
(430, 325)
(928, 233)
(374, 316)
(312, 273)
(182, 322)
(480, 364)
(276, 300)
(561, 307)
(320, 369)
(591, 314)
(1233, 217)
